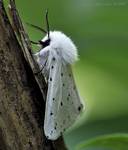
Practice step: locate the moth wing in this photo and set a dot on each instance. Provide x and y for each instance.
(63, 103)
(42, 58)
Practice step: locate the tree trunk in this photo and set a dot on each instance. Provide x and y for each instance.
(22, 105)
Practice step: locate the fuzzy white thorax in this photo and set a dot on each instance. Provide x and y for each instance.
(61, 45)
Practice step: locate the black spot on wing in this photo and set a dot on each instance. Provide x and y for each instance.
(55, 127)
(51, 132)
(61, 103)
(51, 113)
(53, 58)
(79, 108)
(61, 74)
(68, 97)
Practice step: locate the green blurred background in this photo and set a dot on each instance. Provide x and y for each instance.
(99, 28)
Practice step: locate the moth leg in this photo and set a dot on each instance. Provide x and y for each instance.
(36, 43)
(36, 73)
(33, 42)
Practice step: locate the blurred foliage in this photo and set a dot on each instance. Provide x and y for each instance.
(107, 142)
(99, 28)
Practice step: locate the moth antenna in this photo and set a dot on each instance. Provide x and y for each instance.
(47, 23)
(37, 27)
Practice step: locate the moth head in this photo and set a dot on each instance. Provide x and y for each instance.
(44, 43)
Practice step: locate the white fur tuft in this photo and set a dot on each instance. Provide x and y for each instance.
(63, 46)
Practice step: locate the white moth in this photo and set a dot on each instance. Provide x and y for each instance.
(63, 103)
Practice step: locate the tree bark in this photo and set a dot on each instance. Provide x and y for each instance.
(22, 105)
